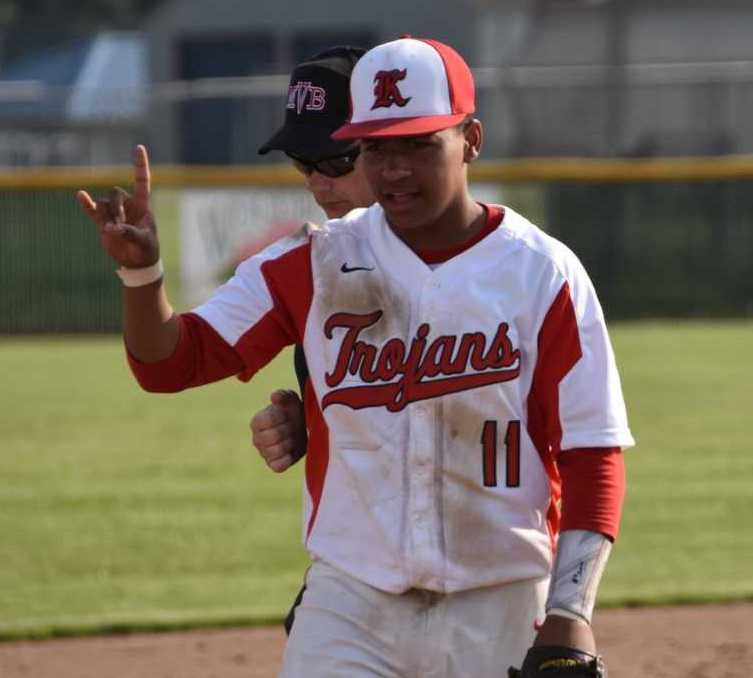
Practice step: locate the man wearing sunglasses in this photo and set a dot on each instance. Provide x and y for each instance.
(317, 105)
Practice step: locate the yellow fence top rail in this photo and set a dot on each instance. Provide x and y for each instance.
(527, 170)
(71, 178)
(618, 170)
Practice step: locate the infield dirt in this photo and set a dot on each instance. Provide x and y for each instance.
(712, 641)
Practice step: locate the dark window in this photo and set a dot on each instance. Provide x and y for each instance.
(306, 44)
(224, 129)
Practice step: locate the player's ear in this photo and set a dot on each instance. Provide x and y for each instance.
(474, 136)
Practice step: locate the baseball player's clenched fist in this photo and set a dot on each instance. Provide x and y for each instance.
(279, 430)
(126, 226)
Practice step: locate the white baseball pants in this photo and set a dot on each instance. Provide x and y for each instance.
(347, 629)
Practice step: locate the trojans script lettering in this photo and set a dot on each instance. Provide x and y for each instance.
(395, 374)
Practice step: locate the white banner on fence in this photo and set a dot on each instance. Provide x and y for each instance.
(219, 228)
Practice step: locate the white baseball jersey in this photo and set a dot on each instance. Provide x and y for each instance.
(440, 396)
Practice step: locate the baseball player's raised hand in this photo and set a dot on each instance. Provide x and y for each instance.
(279, 430)
(129, 235)
(126, 226)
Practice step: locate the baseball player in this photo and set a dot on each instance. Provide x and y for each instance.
(317, 105)
(465, 412)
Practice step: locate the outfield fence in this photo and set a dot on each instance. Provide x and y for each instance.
(660, 238)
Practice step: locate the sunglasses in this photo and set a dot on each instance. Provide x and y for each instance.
(334, 167)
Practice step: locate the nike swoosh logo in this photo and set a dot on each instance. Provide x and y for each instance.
(349, 269)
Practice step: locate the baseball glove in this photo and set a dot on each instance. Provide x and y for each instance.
(559, 662)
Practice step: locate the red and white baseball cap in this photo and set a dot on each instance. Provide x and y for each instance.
(408, 87)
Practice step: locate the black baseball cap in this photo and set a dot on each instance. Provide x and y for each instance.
(317, 105)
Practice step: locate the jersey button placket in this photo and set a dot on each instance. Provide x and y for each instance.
(430, 302)
(421, 469)
(421, 474)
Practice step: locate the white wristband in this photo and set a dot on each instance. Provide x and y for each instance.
(138, 277)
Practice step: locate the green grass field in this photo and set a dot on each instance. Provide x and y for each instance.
(125, 510)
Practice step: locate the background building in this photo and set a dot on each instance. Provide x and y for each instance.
(555, 77)
(84, 103)
(203, 85)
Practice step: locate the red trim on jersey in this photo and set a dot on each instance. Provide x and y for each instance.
(494, 216)
(285, 323)
(260, 343)
(291, 284)
(558, 351)
(201, 356)
(593, 489)
(317, 452)
(291, 275)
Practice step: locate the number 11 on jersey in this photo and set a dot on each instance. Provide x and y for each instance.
(512, 453)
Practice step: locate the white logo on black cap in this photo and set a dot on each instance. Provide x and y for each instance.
(305, 95)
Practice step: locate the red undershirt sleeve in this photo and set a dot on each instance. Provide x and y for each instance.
(593, 489)
(200, 357)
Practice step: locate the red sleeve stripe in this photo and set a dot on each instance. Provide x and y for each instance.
(593, 489)
(261, 343)
(558, 351)
(290, 282)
